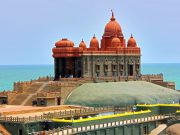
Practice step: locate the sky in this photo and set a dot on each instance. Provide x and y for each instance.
(30, 28)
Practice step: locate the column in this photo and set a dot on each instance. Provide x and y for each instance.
(83, 66)
(134, 70)
(139, 65)
(92, 65)
(56, 68)
(116, 130)
(107, 131)
(126, 69)
(97, 132)
(117, 70)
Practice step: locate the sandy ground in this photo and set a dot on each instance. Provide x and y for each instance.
(173, 129)
(157, 130)
(26, 111)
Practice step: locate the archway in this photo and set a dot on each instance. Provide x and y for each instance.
(130, 70)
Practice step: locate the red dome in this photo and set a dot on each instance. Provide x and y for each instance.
(112, 28)
(82, 45)
(131, 42)
(64, 43)
(94, 42)
(115, 42)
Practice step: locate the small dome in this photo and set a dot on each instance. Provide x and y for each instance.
(64, 43)
(94, 42)
(112, 28)
(131, 42)
(82, 45)
(115, 42)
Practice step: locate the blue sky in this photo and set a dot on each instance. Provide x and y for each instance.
(29, 29)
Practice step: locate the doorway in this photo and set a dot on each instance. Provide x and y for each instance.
(130, 70)
(145, 130)
(58, 100)
(20, 132)
(79, 74)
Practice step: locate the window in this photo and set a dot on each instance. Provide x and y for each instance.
(106, 67)
(121, 67)
(97, 67)
(113, 67)
(145, 131)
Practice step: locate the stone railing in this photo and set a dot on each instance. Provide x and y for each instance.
(21, 86)
(65, 82)
(147, 77)
(72, 130)
(151, 77)
(46, 78)
(60, 114)
(47, 94)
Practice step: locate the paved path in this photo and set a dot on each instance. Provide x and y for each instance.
(30, 95)
(158, 130)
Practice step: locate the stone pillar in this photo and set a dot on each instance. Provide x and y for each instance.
(117, 70)
(83, 66)
(126, 69)
(139, 65)
(141, 129)
(134, 70)
(88, 133)
(91, 67)
(98, 133)
(132, 130)
(116, 131)
(107, 131)
(56, 68)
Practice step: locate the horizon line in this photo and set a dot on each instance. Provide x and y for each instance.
(53, 64)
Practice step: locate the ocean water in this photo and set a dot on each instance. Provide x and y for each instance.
(10, 74)
(171, 71)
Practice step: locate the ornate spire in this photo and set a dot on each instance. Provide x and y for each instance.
(131, 35)
(112, 18)
(94, 36)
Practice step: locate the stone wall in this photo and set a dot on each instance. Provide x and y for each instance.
(57, 89)
(159, 80)
(22, 86)
(110, 66)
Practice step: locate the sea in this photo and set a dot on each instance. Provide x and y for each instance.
(14, 73)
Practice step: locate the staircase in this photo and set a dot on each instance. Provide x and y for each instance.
(158, 130)
(17, 100)
(3, 130)
(27, 96)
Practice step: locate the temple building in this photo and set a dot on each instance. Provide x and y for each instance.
(112, 57)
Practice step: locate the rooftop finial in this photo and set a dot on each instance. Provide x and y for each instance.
(112, 18)
(94, 36)
(82, 40)
(112, 13)
(131, 35)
